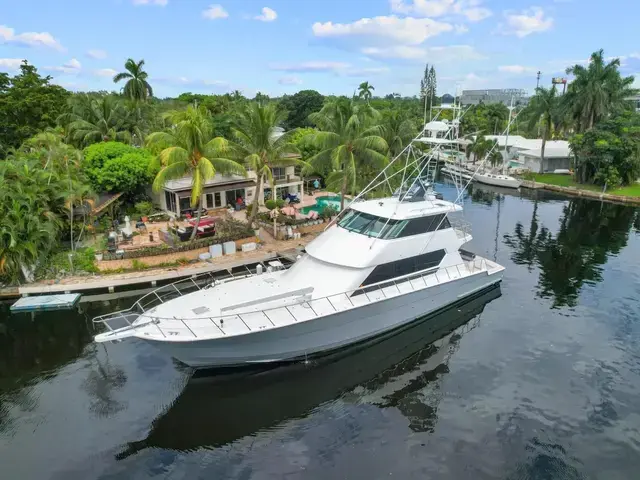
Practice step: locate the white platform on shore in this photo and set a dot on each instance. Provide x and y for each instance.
(46, 302)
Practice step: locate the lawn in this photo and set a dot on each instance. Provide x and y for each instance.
(567, 181)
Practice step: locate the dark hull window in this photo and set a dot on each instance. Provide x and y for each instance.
(406, 266)
(420, 225)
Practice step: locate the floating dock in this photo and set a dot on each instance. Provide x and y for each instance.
(46, 302)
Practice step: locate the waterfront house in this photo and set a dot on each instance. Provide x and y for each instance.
(223, 190)
(525, 152)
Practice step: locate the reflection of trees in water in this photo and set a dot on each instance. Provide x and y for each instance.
(589, 233)
(32, 345)
(102, 383)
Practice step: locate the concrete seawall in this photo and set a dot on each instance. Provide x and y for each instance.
(577, 192)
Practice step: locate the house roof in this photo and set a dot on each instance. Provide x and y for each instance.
(550, 151)
(217, 181)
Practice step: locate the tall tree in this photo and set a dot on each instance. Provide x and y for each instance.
(29, 104)
(424, 84)
(190, 149)
(299, 106)
(432, 86)
(365, 91)
(137, 87)
(347, 139)
(261, 146)
(597, 91)
(543, 108)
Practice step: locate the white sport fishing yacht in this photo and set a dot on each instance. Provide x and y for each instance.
(383, 264)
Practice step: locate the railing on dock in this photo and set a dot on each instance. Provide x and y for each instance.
(305, 309)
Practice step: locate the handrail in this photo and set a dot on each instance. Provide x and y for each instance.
(141, 306)
(478, 264)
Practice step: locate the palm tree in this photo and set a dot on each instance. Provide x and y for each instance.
(398, 131)
(493, 153)
(137, 87)
(365, 91)
(190, 149)
(597, 90)
(543, 107)
(94, 120)
(346, 140)
(261, 146)
(477, 147)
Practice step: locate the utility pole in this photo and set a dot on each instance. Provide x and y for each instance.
(538, 80)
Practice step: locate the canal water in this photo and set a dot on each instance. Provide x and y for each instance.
(537, 380)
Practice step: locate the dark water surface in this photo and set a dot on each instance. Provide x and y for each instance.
(537, 380)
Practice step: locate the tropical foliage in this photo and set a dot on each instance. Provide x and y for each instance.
(349, 139)
(365, 91)
(137, 87)
(261, 147)
(190, 149)
(597, 91)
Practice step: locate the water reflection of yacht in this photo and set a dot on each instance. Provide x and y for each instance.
(214, 411)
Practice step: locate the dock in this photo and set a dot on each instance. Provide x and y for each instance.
(46, 302)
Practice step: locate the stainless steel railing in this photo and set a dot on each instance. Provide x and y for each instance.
(300, 311)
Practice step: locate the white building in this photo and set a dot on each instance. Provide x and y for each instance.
(526, 152)
(496, 95)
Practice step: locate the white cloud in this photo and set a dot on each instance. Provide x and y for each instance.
(429, 54)
(527, 22)
(160, 3)
(214, 12)
(268, 15)
(476, 14)
(408, 30)
(290, 80)
(471, 9)
(10, 63)
(460, 29)
(105, 72)
(29, 39)
(72, 66)
(97, 54)
(304, 67)
(365, 72)
(516, 69)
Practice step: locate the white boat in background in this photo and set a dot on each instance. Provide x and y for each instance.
(497, 179)
(383, 264)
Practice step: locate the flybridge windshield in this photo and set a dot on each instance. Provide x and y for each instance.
(374, 226)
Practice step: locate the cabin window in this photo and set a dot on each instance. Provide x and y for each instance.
(379, 227)
(406, 266)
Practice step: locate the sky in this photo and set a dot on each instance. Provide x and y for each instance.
(283, 46)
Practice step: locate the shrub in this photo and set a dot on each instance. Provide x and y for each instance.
(270, 204)
(328, 212)
(144, 209)
(139, 265)
(280, 203)
(249, 209)
(116, 167)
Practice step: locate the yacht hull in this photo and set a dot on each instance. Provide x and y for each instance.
(313, 337)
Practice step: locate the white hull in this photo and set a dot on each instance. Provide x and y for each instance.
(325, 333)
(497, 180)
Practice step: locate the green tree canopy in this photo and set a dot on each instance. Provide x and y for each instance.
(29, 103)
(299, 106)
(544, 107)
(609, 153)
(116, 167)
